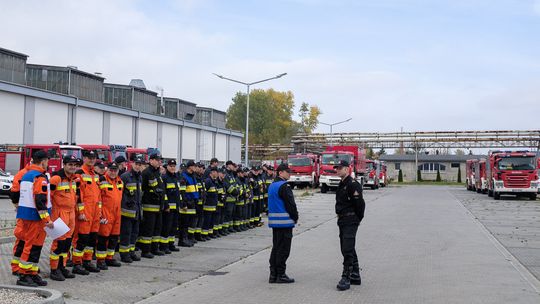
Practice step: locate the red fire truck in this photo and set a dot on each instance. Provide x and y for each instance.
(333, 154)
(480, 176)
(469, 173)
(304, 170)
(103, 152)
(132, 153)
(14, 157)
(512, 172)
(372, 174)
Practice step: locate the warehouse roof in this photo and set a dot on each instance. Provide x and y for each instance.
(428, 157)
(14, 54)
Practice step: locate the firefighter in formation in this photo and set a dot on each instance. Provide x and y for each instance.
(110, 207)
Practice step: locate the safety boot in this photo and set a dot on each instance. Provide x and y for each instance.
(184, 242)
(38, 280)
(173, 248)
(355, 275)
(26, 281)
(102, 265)
(90, 267)
(66, 273)
(284, 279)
(345, 282)
(125, 257)
(134, 256)
(273, 276)
(147, 255)
(57, 275)
(113, 263)
(79, 269)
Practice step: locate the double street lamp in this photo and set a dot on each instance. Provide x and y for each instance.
(248, 84)
(331, 125)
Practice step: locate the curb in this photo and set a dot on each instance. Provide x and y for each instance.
(52, 296)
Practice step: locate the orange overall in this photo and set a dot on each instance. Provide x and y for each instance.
(89, 204)
(15, 193)
(32, 215)
(111, 195)
(64, 200)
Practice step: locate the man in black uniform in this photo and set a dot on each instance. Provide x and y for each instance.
(170, 219)
(131, 211)
(213, 164)
(350, 208)
(282, 217)
(153, 204)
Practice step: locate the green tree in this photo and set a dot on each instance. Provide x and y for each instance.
(369, 153)
(438, 179)
(309, 117)
(382, 151)
(400, 176)
(459, 174)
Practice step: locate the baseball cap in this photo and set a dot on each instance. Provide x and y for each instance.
(190, 164)
(113, 166)
(89, 154)
(139, 159)
(70, 159)
(120, 159)
(99, 164)
(341, 163)
(213, 169)
(214, 160)
(155, 156)
(283, 167)
(229, 162)
(171, 162)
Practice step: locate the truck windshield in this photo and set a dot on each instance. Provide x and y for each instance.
(299, 161)
(102, 154)
(68, 152)
(115, 154)
(331, 159)
(517, 163)
(370, 166)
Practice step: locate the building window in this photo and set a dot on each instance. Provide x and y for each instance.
(397, 166)
(431, 167)
(454, 165)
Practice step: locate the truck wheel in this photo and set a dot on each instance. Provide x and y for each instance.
(324, 188)
(532, 196)
(490, 193)
(496, 195)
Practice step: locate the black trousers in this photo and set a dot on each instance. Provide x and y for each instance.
(129, 232)
(166, 227)
(208, 222)
(199, 218)
(281, 248)
(150, 231)
(229, 214)
(348, 226)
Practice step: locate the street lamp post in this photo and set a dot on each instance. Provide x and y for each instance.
(248, 85)
(331, 125)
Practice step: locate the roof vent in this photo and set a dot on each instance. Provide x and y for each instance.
(73, 67)
(138, 83)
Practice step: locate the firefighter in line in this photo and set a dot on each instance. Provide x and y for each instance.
(88, 218)
(210, 204)
(199, 236)
(185, 213)
(220, 210)
(15, 194)
(131, 210)
(238, 220)
(268, 177)
(111, 186)
(232, 191)
(153, 204)
(170, 219)
(190, 198)
(213, 164)
(64, 193)
(32, 217)
(248, 208)
(121, 161)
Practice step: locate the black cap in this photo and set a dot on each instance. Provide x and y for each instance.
(171, 162)
(39, 155)
(182, 166)
(341, 163)
(139, 159)
(70, 159)
(214, 160)
(155, 155)
(213, 169)
(190, 164)
(113, 166)
(283, 167)
(246, 169)
(271, 168)
(99, 164)
(89, 154)
(256, 168)
(229, 162)
(200, 165)
(120, 159)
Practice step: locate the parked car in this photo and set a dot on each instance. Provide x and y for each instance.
(6, 180)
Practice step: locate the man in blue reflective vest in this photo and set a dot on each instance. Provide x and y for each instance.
(282, 216)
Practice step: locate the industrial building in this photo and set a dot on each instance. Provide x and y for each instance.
(46, 104)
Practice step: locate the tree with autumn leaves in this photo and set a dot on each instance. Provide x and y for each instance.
(271, 116)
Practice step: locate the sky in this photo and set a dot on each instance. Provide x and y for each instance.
(420, 65)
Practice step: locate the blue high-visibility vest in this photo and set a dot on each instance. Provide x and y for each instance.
(278, 217)
(192, 194)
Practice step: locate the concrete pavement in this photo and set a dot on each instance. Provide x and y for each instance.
(416, 245)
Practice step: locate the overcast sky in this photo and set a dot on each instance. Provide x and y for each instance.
(422, 65)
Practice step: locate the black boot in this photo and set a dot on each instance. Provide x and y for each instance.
(147, 255)
(125, 257)
(345, 282)
(38, 280)
(79, 269)
(134, 256)
(56, 275)
(26, 281)
(284, 279)
(102, 265)
(156, 251)
(273, 276)
(184, 242)
(199, 237)
(165, 248)
(90, 267)
(113, 263)
(355, 275)
(66, 273)
(173, 248)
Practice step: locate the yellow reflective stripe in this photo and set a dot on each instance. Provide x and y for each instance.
(209, 208)
(188, 211)
(43, 214)
(151, 209)
(171, 185)
(80, 207)
(191, 188)
(211, 189)
(172, 206)
(96, 178)
(220, 205)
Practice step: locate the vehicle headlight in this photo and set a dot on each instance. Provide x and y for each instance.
(534, 184)
(5, 180)
(499, 184)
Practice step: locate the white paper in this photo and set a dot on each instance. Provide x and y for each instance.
(60, 228)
